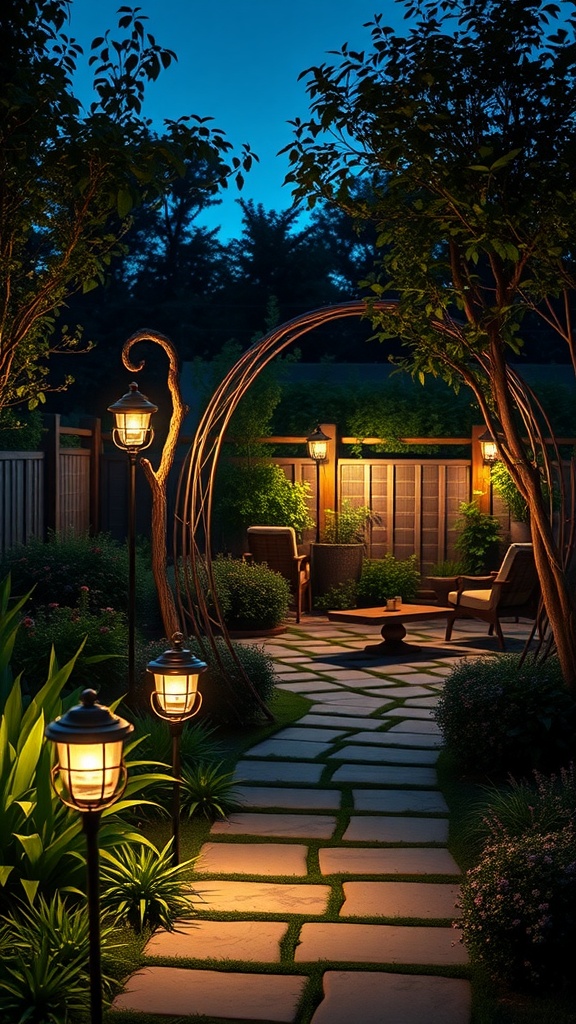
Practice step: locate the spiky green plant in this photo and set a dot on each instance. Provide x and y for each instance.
(44, 957)
(142, 888)
(197, 742)
(207, 789)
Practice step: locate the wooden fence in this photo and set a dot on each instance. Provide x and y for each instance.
(84, 489)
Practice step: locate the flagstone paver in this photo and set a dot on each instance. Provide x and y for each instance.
(400, 899)
(429, 728)
(291, 799)
(405, 712)
(300, 750)
(386, 775)
(382, 828)
(314, 686)
(386, 754)
(176, 991)
(307, 826)
(345, 723)
(252, 859)
(399, 801)
(408, 998)
(260, 897)
(393, 738)
(403, 861)
(253, 941)
(277, 771)
(378, 944)
(309, 733)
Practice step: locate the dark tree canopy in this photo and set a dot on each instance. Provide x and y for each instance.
(70, 179)
(462, 133)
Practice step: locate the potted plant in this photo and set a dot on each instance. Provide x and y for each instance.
(338, 556)
(479, 539)
(504, 485)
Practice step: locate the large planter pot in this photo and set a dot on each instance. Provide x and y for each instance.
(520, 533)
(333, 564)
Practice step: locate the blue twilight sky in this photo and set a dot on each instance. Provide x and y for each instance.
(238, 62)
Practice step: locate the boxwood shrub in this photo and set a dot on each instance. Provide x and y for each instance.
(500, 715)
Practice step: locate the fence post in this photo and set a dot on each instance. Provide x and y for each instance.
(328, 477)
(51, 448)
(481, 486)
(94, 425)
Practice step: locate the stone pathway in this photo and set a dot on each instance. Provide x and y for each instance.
(368, 903)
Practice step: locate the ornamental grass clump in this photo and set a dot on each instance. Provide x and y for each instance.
(142, 888)
(519, 909)
(500, 715)
(208, 790)
(44, 957)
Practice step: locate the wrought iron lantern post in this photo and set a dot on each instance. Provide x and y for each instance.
(133, 434)
(317, 443)
(89, 776)
(176, 698)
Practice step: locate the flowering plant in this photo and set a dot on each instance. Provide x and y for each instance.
(519, 908)
(103, 636)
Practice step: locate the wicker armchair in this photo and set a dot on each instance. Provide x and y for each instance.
(512, 591)
(276, 546)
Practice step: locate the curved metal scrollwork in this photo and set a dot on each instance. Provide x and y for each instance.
(192, 523)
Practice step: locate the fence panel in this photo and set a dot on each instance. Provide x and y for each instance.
(74, 483)
(21, 497)
(416, 503)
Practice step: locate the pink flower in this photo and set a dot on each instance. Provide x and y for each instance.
(27, 622)
(104, 629)
(53, 604)
(84, 589)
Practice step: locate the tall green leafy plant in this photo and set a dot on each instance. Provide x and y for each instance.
(478, 538)
(41, 842)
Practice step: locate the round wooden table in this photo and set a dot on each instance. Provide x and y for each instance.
(393, 626)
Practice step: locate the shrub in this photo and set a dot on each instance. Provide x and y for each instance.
(251, 596)
(59, 568)
(20, 432)
(225, 697)
(518, 909)
(101, 664)
(260, 494)
(344, 595)
(504, 485)
(501, 716)
(387, 577)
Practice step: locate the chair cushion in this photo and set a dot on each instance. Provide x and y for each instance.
(509, 557)
(479, 600)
